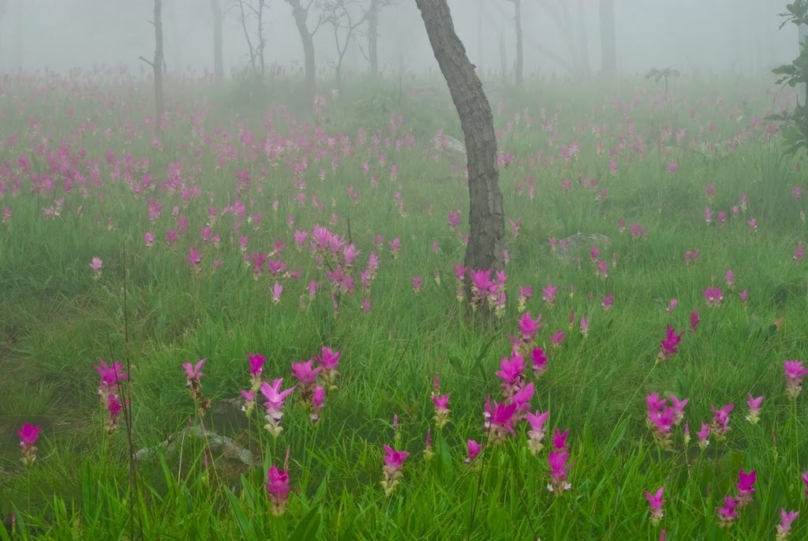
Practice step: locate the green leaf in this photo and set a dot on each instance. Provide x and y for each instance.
(245, 524)
(309, 527)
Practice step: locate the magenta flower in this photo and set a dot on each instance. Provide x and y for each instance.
(393, 462)
(28, 435)
(274, 405)
(277, 289)
(521, 399)
(528, 327)
(784, 528)
(498, 421)
(754, 409)
(537, 432)
(607, 302)
(560, 439)
(329, 360)
(730, 279)
(278, 489)
(539, 359)
(672, 167)
(395, 246)
(662, 421)
(416, 284)
(672, 305)
(744, 295)
(794, 372)
(472, 451)
(525, 294)
(96, 265)
(727, 513)
(249, 402)
(655, 501)
(114, 409)
(799, 253)
(720, 424)
(510, 372)
(669, 344)
(745, 487)
(441, 410)
(704, 436)
(557, 338)
(306, 374)
(713, 296)
(557, 460)
(256, 369)
(194, 259)
(193, 372)
(694, 321)
(753, 224)
(148, 238)
(111, 376)
(549, 294)
(349, 254)
(585, 326)
(317, 401)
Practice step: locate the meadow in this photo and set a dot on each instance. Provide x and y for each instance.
(640, 377)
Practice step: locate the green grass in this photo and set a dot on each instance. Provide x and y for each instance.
(151, 311)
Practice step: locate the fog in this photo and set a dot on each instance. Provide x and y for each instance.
(740, 36)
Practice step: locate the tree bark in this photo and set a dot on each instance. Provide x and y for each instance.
(373, 38)
(517, 19)
(486, 216)
(301, 16)
(218, 57)
(608, 38)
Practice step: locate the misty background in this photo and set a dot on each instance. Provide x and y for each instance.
(739, 36)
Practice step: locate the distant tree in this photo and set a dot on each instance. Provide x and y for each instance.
(157, 65)
(249, 9)
(301, 15)
(517, 23)
(372, 19)
(343, 17)
(608, 38)
(574, 36)
(486, 216)
(218, 57)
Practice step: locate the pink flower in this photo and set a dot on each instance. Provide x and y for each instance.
(194, 372)
(694, 321)
(472, 451)
(278, 489)
(672, 167)
(704, 436)
(753, 224)
(744, 295)
(317, 401)
(194, 258)
(585, 326)
(669, 344)
(672, 305)
(277, 290)
(794, 372)
(349, 254)
(727, 513)
(539, 359)
(754, 409)
(730, 279)
(713, 296)
(28, 435)
(745, 488)
(441, 410)
(148, 238)
(111, 376)
(96, 265)
(557, 338)
(655, 501)
(549, 294)
(525, 293)
(560, 439)
(720, 424)
(536, 433)
(805, 481)
(607, 302)
(393, 462)
(416, 284)
(521, 400)
(510, 373)
(274, 405)
(305, 372)
(114, 408)
(799, 253)
(498, 421)
(557, 460)
(784, 528)
(528, 327)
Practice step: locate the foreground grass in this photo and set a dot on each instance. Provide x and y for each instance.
(150, 309)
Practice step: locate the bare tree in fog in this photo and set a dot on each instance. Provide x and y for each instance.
(248, 9)
(157, 65)
(301, 15)
(345, 19)
(608, 38)
(372, 18)
(574, 35)
(218, 57)
(517, 22)
(486, 216)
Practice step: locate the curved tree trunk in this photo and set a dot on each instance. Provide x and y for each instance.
(486, 217)
(608, 38)
(301, 16)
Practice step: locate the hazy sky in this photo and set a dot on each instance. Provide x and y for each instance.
(686, 34)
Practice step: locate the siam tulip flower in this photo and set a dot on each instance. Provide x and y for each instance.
(306, 374)
(594, 253)
(549, 294)
(704, 436)
(744, 295)
(111, 377)
(745, 488)
(194, 259)
(713, 296)
(393, 462)
(472, 452)
(753, 225)
(710, 191)
(96, 265)
(585, 326)
(454, 219)
(672, 167)
(794, 372)
(537, 432)
(727, 513)
(603, 268)
(416, 284)
(799, 253)
(669, 344)
(256, 369)
(149, 239)
(678, 408)
(686, 435)
(784, 528)
(249, 402)
(560, 439)
(539, 358)
(557, 338)
(655, 501)
(528, 327)
(744, 202)
(6, 215)
(481, 286)
(317, 400)
(708, 215)
(722, 217)
(607, 302)
(510, 372)
(274, 405)
(193, 373)
(515, 225)
(720, 423)
(754, 409)
(278, 489)
(559, 468)
(525, 293)
(114, 409)
(662, 421)
(277, 290)
(428, 452)
(395, 246)
(28, 435)
(329, 360)
(349, 254)
(498, 421)
(730, 279)
(522, 401)
(672, 305)
(694, 321)
(441, 410)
